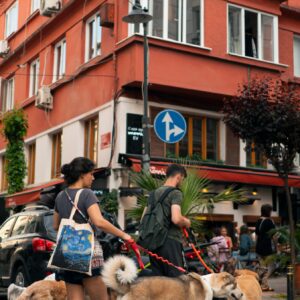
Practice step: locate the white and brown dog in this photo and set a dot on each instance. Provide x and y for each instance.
(120, 274)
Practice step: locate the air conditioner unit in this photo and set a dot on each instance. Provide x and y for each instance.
(4, 49)
(44, 99)
(49, 7)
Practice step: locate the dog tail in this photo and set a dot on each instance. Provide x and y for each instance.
(14, 291)
(118, 273)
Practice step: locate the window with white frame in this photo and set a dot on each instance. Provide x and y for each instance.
(93, 37)
(11, 19)
(35, 4)
(252, 34)
(297, 56)
(34, 77)
(7, 94)
(178, 20)
(59, 60)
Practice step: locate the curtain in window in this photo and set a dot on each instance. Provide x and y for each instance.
(267, 37)
(158, 12)
(297, 56)
(235, 37)
(173, 20)
(193, 22)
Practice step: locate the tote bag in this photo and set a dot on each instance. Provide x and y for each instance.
(75, 245)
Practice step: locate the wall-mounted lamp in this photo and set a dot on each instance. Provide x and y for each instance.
(254, 192)
(204, 190)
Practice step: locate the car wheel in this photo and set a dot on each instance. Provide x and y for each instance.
(21, 278)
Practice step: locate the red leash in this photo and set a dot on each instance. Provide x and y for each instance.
(135, 247)
(197, 252)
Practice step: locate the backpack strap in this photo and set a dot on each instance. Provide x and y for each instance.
(163, 196)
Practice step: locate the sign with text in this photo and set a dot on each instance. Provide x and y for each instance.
(134, 134)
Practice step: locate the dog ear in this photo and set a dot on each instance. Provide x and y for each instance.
(195, 276)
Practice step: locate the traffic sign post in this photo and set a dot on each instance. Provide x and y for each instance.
(170, 126)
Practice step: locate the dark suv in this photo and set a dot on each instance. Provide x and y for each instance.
(27, 240)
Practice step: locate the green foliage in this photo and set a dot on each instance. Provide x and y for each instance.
(109, 202)
(14, 130)
(267, 113)
(194, 199)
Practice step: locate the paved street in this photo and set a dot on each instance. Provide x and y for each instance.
(279, 285)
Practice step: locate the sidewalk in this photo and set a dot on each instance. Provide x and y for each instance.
(279, 286)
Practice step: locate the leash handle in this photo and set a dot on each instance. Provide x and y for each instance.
(132, 244)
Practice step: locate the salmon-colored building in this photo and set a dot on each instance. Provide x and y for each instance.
(77, 70)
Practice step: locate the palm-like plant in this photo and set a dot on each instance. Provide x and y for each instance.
(195, 200)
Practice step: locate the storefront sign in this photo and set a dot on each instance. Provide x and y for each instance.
(134, 134)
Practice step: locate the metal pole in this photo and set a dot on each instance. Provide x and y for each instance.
(290, 283)
(145, 120)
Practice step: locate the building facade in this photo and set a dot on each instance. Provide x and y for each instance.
(77, 71)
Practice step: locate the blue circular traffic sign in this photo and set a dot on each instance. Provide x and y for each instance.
(170, 126)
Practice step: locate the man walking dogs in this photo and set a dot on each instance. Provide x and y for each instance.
(162, 222)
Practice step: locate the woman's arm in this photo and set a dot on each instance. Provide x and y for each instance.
(98, 220)
(56, 221)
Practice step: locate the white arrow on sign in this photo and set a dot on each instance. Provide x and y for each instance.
(176, 130)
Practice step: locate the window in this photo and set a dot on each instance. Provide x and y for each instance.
(59, 60)
(31, 163)
(297, 56)
(4, 184)
(6, 228)
(34, 77)
(201, 141)
(35, 4)
(178, 20)
(11, 19)
(20, 225)
(93, 37)
(255, 159)
(7, 94)
(56, 155)
(252, 34)
(91, 139)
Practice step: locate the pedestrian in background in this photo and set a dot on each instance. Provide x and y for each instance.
(265, 244)
(78, 174)
(224, 232)
(170, 202)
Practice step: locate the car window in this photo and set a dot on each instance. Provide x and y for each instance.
(6, 227)
(48, 223)
(20, 225)
(31, 224)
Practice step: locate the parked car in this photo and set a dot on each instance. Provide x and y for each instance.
(27, 240)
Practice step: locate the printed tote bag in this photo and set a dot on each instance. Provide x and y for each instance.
(75, 244)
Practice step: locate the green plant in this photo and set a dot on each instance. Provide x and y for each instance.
(109, 202)
(14, 130)
(195, 200)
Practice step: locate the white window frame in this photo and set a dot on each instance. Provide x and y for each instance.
(259, 35)
(11, 25)
(34, 77)
(296, 70)
(8, 98)
(35, 5)
(59, 69)
(87, 37)
(181, 23)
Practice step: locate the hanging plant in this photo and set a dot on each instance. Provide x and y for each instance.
(15, 126)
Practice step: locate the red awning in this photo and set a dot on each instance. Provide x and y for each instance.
(29, 195)
(225, 174)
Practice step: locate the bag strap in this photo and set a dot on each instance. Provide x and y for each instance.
(164, 195)
(259, 229)
(75, 205)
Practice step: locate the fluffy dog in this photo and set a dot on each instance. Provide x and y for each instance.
(45, 290)
(248, 283)
(120, 274)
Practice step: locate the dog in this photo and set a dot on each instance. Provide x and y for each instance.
(248, 284)
(14, 291)
(45, 290)
(120, 274)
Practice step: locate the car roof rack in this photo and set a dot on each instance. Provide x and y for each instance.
(36, 207)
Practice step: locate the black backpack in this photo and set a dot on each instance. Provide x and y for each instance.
(154, 226)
